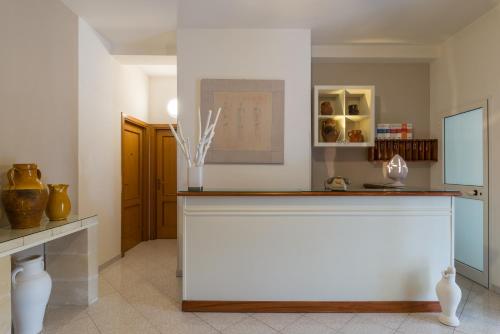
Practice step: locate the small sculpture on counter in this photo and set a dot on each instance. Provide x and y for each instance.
(329, 130)
(326, 108)
(353, 109)
(397, 170)
(337, 183)
(355, 136)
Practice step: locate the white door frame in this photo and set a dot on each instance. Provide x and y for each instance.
(483, 193)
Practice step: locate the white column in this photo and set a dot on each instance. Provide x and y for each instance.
(5, 316)
(72, 263)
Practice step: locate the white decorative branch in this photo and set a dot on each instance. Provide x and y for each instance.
(188, 147)
(207, 124)
(204, 139)
(199, 125)
(181, 144)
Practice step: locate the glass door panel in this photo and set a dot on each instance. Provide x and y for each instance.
(469, 232)
(464, 148)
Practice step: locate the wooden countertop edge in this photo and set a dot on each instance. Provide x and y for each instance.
(315, 193)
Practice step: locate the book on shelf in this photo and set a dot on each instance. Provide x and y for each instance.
(395, 131)
(410, 150)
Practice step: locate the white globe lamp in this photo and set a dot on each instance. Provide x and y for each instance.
(172, 108)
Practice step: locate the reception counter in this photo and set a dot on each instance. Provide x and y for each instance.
(354, 251)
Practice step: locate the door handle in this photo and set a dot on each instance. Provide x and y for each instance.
(472, 193)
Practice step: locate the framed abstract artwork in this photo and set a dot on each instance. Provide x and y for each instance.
(251, 126)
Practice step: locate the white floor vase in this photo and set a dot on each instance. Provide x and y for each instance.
(449, 295)
(31, 286)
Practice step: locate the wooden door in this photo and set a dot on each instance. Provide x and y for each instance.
(134, 181)
(166, 184)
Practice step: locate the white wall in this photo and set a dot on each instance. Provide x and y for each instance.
(397, 100)
(38, 90)
(469, 71)
(131, 89)
(161, 90)
(106, 89)
(250, 54)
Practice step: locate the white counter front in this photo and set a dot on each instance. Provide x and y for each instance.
(315, 253)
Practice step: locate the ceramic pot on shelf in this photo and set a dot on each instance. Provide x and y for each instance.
(59, 205)
(195, 178)
(326, 108)
(355, 136)
(329, 130)
(31, 286)
(353, 109)
(449, 295)
(25, 196)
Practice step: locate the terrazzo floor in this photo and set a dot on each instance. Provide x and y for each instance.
(141, 294)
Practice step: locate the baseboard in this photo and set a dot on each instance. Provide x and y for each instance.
(495, 288)
(310, 306)
(109, 262)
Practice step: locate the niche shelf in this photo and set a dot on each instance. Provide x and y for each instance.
(340, 98)
(408, 149)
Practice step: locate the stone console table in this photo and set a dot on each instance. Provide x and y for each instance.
(70, 248)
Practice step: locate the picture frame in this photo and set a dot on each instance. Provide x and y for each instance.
(251, 125)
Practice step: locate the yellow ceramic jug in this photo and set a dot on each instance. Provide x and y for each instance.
(25, 197)
(59, 206)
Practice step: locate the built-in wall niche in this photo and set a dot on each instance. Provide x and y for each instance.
(344, 116)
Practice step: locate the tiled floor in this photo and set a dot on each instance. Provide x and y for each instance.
(140, 294)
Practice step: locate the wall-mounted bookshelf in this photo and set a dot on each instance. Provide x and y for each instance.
(408, 149)
(341, 113)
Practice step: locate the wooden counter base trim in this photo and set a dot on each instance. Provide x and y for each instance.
(310, 306)
(317, 193)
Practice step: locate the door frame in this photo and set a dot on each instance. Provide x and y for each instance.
(472, 273)
(145, 214)
(152, 185)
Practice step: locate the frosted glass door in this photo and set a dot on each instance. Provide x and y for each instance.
(466, 170)
(464, 148)
(469, 231)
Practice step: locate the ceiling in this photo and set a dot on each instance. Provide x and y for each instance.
(151, 65)
(341, 21)
(148, 26)
(131, 26)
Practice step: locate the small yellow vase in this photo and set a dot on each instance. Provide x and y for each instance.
(59, 206)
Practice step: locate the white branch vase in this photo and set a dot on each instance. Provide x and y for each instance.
(31, 287)
(449, 295)
(195, 178)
